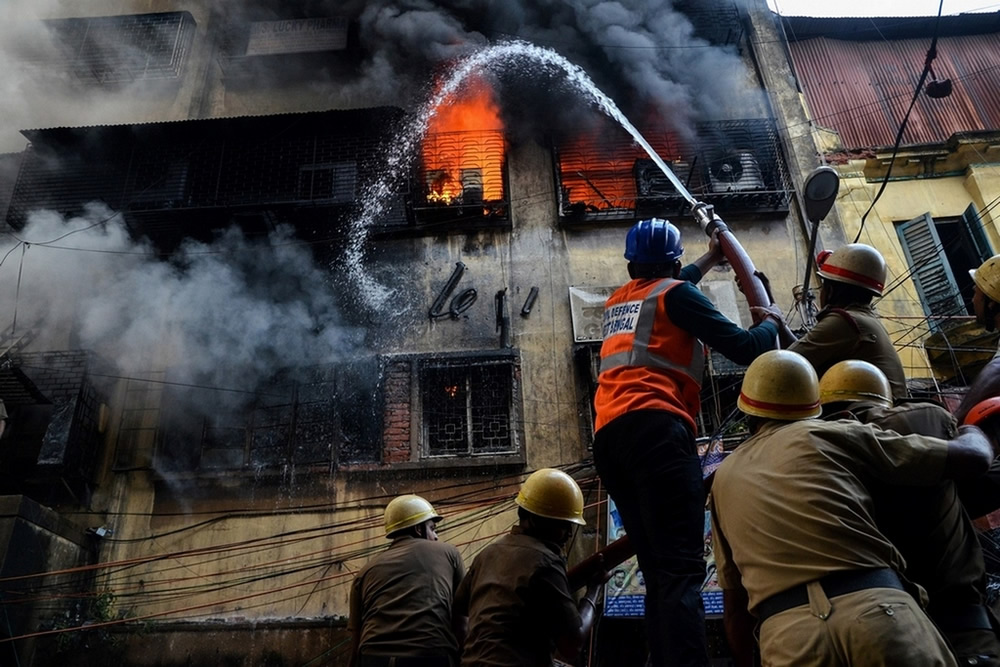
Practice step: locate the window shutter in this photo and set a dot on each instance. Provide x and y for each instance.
(929, 268)
(973, 234)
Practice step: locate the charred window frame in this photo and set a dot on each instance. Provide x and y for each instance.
(468, 406)
(735, 165)
(314, 417)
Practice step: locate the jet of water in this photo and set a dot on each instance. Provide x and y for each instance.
(498, 59)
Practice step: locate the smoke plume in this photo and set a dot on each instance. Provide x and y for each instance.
(644, 53)
(225, 314)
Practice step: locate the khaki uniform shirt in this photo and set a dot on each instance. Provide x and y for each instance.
(928, 524)
(517, 598)
(402, 599)
(790, 505)
(835, 339)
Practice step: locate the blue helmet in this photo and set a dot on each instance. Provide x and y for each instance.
(653, 241)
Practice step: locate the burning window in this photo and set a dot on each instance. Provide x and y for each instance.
(467, 407)
(734, 165)
(462, 158)
(603, 173)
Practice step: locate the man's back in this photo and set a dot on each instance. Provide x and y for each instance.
(402, 599)
(793, 505)
(852, 332)
(928, 524)
(517, 599)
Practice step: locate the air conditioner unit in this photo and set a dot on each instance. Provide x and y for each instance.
(650, 181)
(736, 171)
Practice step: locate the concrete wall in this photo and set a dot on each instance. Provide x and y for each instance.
(34, 540)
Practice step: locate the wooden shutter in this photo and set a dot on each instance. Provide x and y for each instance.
(929, 268)
(973, 235)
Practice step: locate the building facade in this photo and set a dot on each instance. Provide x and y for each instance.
(258, 287)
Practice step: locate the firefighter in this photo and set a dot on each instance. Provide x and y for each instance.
(927, 524)
(981, 496)
(515, 599)
(401, 601)
(847, 326)
(795, 542)
(647, 399)
(986, 304)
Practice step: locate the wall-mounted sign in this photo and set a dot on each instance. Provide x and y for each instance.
(297, 36)
(586, 306)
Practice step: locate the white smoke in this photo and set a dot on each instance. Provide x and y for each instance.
(225, 314)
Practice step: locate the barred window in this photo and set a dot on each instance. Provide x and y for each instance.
(466, 407)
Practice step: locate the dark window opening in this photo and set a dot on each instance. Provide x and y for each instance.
(940, 253)
(467, 407)
(314, 418)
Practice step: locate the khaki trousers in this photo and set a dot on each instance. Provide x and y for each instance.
(877, 627)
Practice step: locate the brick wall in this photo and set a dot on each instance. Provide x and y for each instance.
(396, 436)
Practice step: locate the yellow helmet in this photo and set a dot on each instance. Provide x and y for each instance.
(780, 384)
(552, 494)
(407, 511)
(854, 264)
(987, 278)
(854, 380)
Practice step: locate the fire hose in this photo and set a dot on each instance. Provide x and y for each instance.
(621, 549)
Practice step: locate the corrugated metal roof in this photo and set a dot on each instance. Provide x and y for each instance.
(862, 89)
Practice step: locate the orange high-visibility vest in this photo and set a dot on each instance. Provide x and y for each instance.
(647, 362)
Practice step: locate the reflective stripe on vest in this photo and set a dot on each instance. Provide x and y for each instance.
(639, 354)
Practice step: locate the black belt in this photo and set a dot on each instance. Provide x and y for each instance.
(404, 661)
(834, 584)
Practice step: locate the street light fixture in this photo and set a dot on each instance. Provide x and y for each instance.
(820, 191)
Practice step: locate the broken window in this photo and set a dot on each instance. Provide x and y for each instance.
(467, 407)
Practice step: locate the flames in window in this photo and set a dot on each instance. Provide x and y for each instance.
(463, 151)
(600, 172)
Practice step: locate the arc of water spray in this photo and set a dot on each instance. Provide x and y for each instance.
(498, 57)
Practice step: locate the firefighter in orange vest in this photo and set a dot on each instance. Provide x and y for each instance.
(647, 399)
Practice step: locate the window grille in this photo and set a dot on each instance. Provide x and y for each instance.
(734, 165)
(304, 421)
(461, 177)
(467, 407)
(124, 48)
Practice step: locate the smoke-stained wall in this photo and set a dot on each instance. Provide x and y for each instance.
(225, 313)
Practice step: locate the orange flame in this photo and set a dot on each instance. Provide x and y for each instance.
(600, 172)
(463, 151)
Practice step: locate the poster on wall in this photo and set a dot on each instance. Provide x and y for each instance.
(625, 592)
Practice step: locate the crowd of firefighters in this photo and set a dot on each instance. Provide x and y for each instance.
(842, 526)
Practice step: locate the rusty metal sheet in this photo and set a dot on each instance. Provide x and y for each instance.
(862, 89)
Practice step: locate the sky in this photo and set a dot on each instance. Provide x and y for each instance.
(879, 7)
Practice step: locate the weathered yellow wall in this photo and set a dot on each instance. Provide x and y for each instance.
(903, 200)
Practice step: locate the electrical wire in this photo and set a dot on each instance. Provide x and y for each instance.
(929, 59)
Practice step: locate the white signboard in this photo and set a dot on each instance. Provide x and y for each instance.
(586, 305)
(297, 36)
